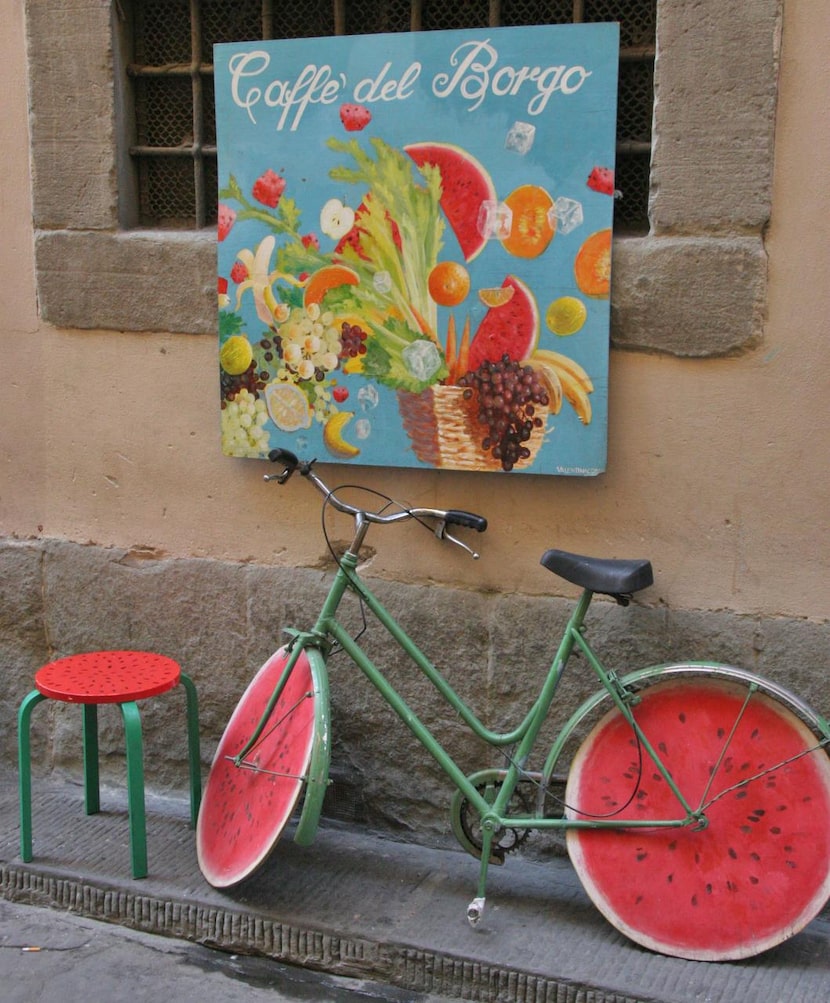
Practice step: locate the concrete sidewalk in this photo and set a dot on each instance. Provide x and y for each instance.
(359, 905)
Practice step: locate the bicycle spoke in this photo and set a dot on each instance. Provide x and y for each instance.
(764, 773)
(723, 751)
(278, 723)
(244, 764)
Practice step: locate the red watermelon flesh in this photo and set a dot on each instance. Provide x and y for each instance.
(243, 811)
(510, 329)
(465, 185)
(757, 874)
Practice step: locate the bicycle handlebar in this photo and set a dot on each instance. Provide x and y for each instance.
(443, 517)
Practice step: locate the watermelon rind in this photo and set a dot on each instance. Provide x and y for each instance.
(465, 183)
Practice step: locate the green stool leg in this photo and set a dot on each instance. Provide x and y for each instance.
(194, 757)
(135, 788)
(92, 787)
(24, 765)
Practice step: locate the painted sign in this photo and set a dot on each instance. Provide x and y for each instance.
(415, 247)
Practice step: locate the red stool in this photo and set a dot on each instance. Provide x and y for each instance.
(100, 677)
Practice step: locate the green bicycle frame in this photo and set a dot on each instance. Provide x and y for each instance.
(328, 631)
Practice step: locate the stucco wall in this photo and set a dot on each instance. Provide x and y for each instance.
(717, 467)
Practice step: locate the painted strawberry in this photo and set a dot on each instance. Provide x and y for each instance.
(355, 117)
(601, 179)
(239, 272)
(221, 285)
(311, 240)
(226, 217)
(340, 394)
(268, 188)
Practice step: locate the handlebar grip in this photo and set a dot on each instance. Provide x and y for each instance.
(458, 517)
(284, 456)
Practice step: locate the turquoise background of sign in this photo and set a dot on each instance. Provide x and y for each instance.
(394, 78)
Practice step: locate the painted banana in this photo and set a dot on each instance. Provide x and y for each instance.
(565, 364)
(574, 383)
(550, 375)
(333, 436)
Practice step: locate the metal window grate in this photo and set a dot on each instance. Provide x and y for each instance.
(174, 152)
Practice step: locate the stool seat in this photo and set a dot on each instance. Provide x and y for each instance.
(108, 677)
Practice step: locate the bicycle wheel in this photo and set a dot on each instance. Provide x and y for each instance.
(246, 807)
(757, 873)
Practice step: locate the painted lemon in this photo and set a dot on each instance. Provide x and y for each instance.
(333, 436)
(566, 315)
(236, 355)
(288, 406)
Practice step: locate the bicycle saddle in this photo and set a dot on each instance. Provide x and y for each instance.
(607, 576)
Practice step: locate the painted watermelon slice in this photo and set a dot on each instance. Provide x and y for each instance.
(245, 809)
(757, 873)
(510, 329)
(465, 183)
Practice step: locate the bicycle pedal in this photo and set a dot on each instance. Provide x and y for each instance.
(475, 910)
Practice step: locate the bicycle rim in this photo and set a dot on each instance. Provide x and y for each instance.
(757, 874)
(246, 807)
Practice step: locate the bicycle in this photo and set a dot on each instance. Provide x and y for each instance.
(696, 810)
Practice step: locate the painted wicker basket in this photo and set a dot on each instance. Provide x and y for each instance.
(444, 430)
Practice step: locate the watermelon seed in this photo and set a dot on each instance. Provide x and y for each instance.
(741, 793)
(731, 886)
(775, 830)
(694, 900)
(746, 828)
(753, 880)
(641, 856)
(681, 718)
(662, 747)
(754, 733)
(708, 889)
(638, 900)
(788, 849)
(721, 732)
(781, 807)
(670, 878)
(792, 864)
(673, 845)
(732, 853)
(744, 767)
(656, 776)
(755, 856)
(641, 794)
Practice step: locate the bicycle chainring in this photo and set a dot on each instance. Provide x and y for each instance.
(507, 839)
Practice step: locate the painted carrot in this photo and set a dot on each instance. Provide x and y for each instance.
(450, 353)
(463, 361)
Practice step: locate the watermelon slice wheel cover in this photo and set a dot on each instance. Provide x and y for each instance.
(757, 873)
(245, 808)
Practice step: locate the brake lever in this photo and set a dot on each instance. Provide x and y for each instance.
(442, 534)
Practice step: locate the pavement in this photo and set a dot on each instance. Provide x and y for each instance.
(362, 906)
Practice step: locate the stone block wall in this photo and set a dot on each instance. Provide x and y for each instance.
(221, 620)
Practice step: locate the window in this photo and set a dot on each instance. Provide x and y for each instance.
(175, 155)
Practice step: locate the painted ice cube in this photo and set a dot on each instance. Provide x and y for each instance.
(566, 213)
(301, 442)
(368, 397)
(520, 137)
(422, 359)
(363, 428)
(382, 281)
(494, 219)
